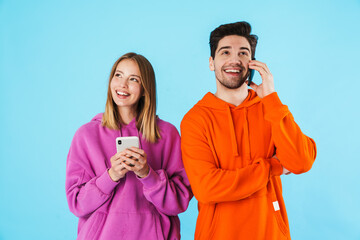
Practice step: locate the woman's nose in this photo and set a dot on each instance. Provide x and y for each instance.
(123, 82)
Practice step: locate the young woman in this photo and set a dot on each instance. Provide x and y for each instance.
(136, 193)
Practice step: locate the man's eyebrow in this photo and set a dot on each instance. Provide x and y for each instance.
(245, 48)
(228, 47)
(224, 47)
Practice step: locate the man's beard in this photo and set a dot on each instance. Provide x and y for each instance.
(233, 83)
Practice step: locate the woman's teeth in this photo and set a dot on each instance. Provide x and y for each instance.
(122, 93)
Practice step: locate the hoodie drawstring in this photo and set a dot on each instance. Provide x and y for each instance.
(137, 133)
(247, 134)
(232, 133)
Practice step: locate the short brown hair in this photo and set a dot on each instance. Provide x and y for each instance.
(239, 28)
(146, 109)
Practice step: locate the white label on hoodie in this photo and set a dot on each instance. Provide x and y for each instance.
(276, 206)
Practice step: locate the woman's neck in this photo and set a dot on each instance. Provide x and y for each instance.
(127, 114)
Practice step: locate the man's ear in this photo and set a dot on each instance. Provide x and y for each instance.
(211, 64)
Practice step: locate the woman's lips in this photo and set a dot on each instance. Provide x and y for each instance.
(122, 94)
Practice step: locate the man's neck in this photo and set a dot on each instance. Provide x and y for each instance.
(232, 96)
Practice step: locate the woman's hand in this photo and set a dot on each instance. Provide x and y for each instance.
(135, 160)
(117, 170)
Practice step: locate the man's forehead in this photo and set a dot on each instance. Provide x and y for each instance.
(234, 41)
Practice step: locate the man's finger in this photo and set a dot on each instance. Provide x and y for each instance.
(254, 86)
(259, 66)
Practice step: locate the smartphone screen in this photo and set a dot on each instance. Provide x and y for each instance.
(251, 75)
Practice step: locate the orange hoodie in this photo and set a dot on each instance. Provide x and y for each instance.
(227, 153)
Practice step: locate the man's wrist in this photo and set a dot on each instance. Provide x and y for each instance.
(267, 93)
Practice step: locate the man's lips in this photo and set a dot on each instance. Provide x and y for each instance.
(233, 69)
(234, 72)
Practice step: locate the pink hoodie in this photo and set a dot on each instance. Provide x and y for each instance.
(132, 208)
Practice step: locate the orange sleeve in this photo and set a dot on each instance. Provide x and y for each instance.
(294, 149)
(211, 184)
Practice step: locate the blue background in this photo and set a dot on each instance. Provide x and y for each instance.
(55, 58)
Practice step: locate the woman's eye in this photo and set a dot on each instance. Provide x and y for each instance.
(225, 53)
(117, 75)
(134, 80)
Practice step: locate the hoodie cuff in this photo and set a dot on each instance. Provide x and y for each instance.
(276, 167)
(151, 180)
(274, 110)
(105, 183)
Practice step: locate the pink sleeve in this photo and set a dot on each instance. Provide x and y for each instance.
(85, 192)
(169, 188)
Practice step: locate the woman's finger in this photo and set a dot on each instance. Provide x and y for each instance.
(138, 150)
(129, 161)
(133, 154)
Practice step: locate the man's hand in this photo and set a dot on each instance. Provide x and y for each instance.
(267, 85)
(285, 171)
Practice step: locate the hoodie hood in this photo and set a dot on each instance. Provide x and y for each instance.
(215, 104)
(210, 101)
(98, 118)
(124, 130)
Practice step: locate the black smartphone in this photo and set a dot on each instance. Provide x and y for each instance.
(251, 75)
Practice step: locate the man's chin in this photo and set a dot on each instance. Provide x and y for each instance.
(232, 84)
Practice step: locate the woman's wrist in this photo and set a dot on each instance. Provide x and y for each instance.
(113, 175)
(144, 173)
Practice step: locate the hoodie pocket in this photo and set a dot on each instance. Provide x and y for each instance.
(205, 229)
(93, 226)
(284, 229)
(277, 211)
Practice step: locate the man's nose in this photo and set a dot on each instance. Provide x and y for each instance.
(235, 59)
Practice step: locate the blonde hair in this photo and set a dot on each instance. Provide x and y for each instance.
(146, 108)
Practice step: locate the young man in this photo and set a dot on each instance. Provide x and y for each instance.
(237, 142)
